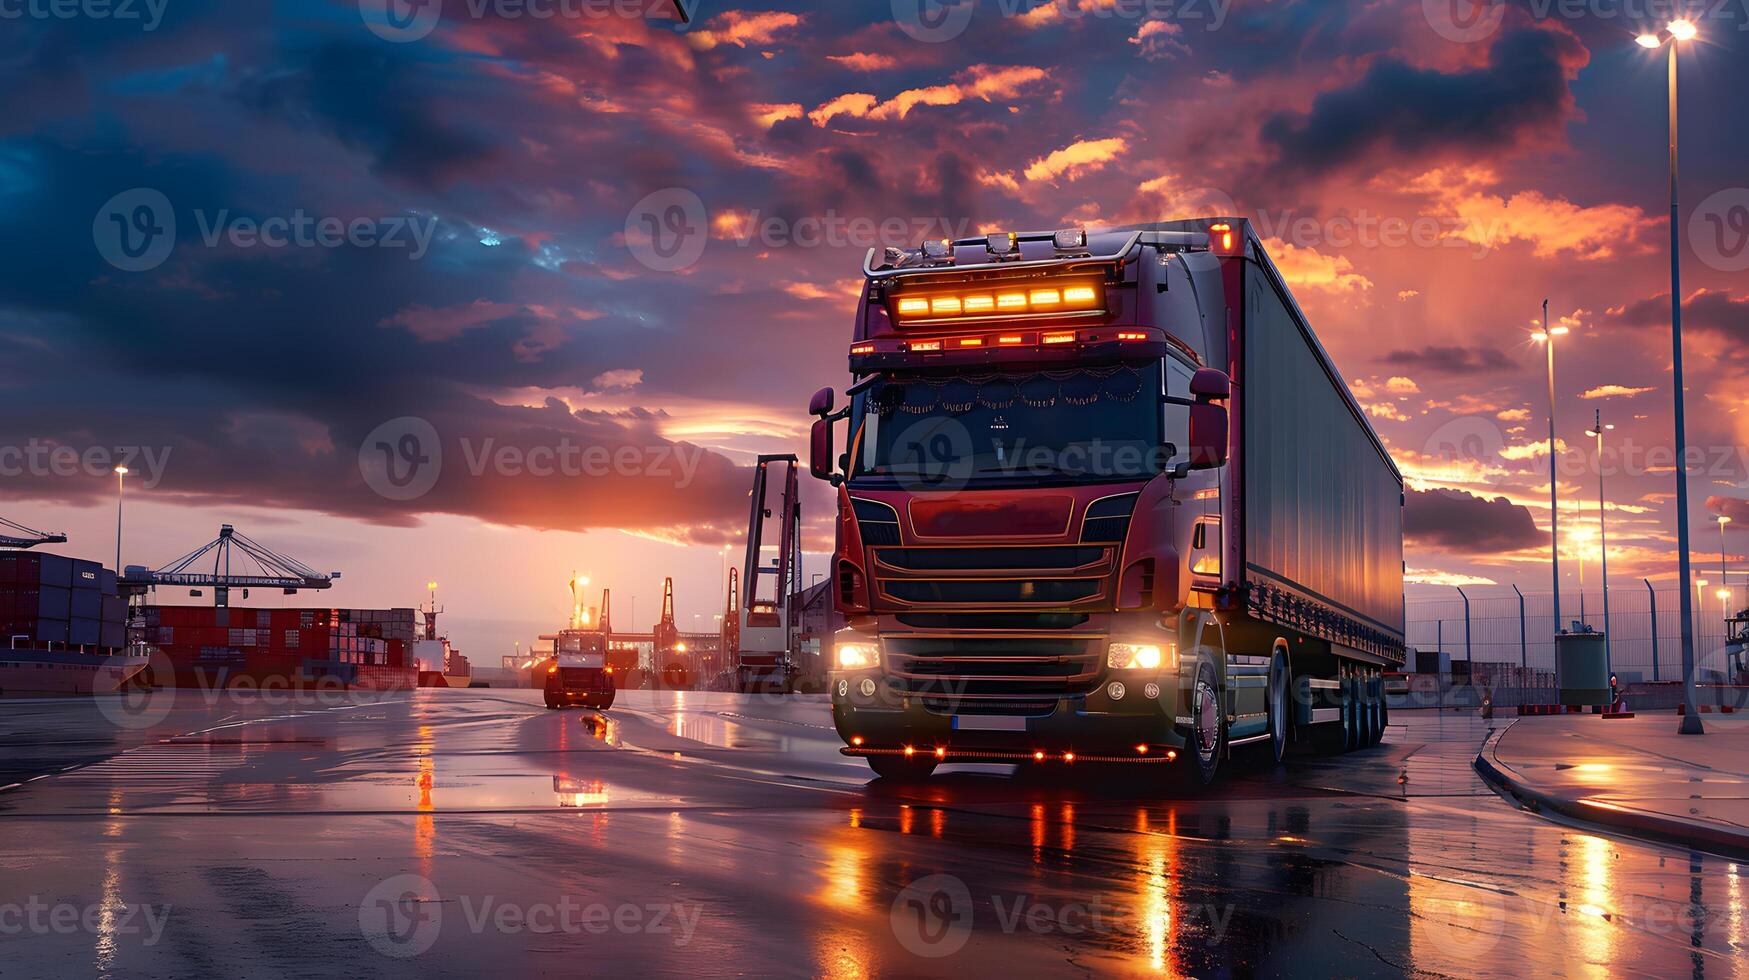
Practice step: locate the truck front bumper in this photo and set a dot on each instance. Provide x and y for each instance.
(1136, 726)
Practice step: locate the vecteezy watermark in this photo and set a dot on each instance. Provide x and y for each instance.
(147, 13)
(402, 459)
(1718, 230)
(36, 916)
(403, 916)
(834, 230)
(1478, 441)
(303, 230)
(402, 21)
(939, 21)
(135, 231)
(933, 917)
(667, 230)
(1469, 21)
(38, 458)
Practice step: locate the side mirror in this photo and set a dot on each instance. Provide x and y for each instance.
(820, 449)
(1208, 421)
(821, 404)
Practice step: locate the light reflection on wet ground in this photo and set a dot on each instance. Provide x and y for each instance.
(1391, 861)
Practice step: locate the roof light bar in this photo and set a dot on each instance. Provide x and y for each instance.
(1071, 298)
(938, 250)
(1070, 239)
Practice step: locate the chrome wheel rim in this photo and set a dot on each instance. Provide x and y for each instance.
(1208, 723)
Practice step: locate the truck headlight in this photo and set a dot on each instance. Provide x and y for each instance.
(852, 656)
(1141, 656)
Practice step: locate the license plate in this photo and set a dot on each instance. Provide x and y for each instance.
(989, 723)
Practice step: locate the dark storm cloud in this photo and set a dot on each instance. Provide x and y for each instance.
(1451, 360)
(375, 99)
(1416, 112)
(1709, 310)
(1458, 521)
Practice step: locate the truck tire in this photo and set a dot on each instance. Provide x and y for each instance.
(551, 704)
(1281, 722)
(1352, 712)
(900, 769)
(1208, 734)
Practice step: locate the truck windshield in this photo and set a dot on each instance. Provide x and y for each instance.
(942, 431)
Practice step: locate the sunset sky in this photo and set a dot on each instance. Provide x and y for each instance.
(1424, 177)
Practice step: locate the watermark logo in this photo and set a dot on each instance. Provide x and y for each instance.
(932, 916)
(138, 707)
(402, 916)
(1467, 439)
(1464, 21)
(401, 21)
(36, 916)
(147, 13)
(401, 459)
(667, 230)
(43, 458)
(135, 231)
(933, 21)
(934, 454)
(1718, 230)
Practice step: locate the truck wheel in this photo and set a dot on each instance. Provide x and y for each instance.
(1352, 737)
(1280, 721)
(551, 704)
(1208, 734)
(900, 769)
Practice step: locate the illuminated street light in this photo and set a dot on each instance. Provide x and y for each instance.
(1598, 428)
(121, 473)
(1724, 571)
(1546, 336)
(1671, 37)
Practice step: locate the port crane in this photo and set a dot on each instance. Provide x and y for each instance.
(13, 535)
(768, 635)
(237, 562)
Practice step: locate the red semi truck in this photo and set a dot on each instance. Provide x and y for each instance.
(1103, 498)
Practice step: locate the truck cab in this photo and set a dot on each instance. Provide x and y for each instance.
(1034, 549)
(578, 673)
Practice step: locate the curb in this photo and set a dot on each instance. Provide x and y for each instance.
(1654, 827)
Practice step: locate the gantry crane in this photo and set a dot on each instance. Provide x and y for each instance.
(18, 536)
(237, 563)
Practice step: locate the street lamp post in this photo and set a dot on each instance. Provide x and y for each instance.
(1676, 32)
(1547, 338)
(1597, 430)
(1724, 573)
(121, 473)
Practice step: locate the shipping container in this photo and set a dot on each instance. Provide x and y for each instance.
(84, 632)
(86, 603)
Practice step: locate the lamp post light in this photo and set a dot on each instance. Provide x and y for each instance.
(121, 473)
(1546, 337)
(1671, 37)
(1597, 430)
(1724, 572)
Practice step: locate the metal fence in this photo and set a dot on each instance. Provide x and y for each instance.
(1645, 634)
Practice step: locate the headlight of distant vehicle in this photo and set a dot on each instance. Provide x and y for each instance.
(854, 655)
(1141, 656)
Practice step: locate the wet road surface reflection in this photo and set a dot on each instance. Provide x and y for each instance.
(463, 832)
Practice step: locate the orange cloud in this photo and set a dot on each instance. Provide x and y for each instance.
(1552, 225)
(1076, 159)
(741, 28)
(863, 61)
(986, 82)
(1612, 391)
(1307, 267)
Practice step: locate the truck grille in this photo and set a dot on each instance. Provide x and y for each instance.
(974, 592)
(949, 669)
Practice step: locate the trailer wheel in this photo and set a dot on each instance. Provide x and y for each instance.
(899, 768)
(1350, 714)
(1208, 735)
(1280, 723)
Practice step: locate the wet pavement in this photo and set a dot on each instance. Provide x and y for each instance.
(1637, 774)
(456, 833)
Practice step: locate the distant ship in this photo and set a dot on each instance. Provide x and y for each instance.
(440, 665)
